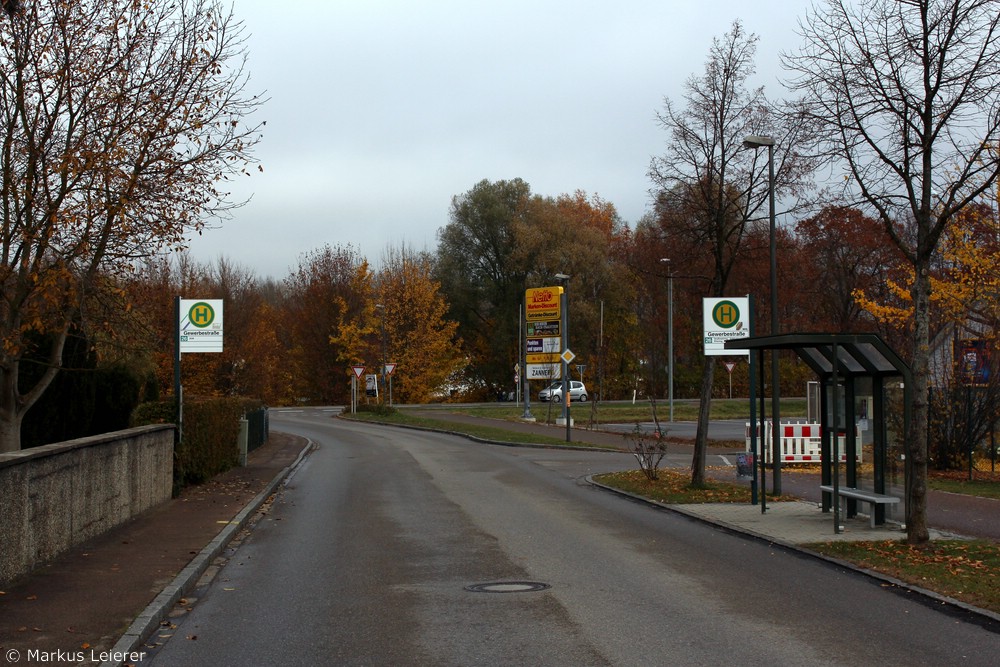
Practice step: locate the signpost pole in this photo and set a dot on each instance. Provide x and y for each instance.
(177, 367)
(526, 415)
(565, 365)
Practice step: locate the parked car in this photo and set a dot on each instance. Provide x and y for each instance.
(577, 392)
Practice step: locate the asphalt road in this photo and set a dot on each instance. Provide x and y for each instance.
(366, 556)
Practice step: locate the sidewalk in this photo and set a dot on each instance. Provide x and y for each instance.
(82, 603)
(98, 597)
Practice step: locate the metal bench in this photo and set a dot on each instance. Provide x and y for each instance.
(870, 497)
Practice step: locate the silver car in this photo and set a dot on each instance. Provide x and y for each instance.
(577, 392)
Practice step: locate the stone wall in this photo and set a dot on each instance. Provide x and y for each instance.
(56, 496)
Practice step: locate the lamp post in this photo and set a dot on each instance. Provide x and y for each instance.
(564, 327)
(670, 334)
(756, 142)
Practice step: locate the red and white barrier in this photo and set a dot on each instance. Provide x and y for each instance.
(800, 442)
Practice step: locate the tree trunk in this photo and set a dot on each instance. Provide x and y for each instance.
(10, 414)
(704, 411)
(14, 404)
(916, 439)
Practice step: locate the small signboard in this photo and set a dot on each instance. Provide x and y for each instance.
(726, 319)
(542, 358)
(544, 329)
(744, 465)
(200, 325)
(544, 371)
(543, 345)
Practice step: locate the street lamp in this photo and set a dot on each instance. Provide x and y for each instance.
(670, 333)
(756, 142)
(564, 327)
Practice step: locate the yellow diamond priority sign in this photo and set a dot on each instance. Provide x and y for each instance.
(568, 356)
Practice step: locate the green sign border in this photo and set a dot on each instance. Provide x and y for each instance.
(210, 319)
(715, 310)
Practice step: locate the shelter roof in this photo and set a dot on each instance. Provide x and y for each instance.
(856, 354)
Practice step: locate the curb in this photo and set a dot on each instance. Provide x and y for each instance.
(930, 596)
(149, 620)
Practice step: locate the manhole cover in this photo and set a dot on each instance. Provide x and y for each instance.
(508, 587)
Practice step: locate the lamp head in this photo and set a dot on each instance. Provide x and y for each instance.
(755, 141)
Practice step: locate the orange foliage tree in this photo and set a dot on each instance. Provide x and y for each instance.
(327, 299)
(119, 121)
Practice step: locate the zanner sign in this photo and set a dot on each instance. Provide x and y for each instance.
(542, 303)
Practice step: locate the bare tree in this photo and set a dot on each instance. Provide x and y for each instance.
(118, 122)
(906, 97)
(707, 186)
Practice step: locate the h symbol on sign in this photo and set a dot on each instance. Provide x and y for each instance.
(201, 315)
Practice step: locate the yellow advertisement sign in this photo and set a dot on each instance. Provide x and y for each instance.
(542, 303)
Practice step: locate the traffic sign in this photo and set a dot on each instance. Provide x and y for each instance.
(568, 356)
(725, 319)
(200, 327)
(390, 369)
(358, 371)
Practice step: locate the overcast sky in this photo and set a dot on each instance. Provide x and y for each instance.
(381, 111)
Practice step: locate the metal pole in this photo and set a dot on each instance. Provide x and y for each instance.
(775, 382)
(565, 345)
(835, 442)
(670, 339)
(522, 355)
(763, 445)
(753, 412)
(177, 369)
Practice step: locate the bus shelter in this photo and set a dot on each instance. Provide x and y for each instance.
(841, 361)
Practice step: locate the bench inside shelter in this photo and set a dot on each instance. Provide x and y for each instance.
(873, 499)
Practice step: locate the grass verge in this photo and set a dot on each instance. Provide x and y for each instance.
(498, 434)
(966, 570)
(984, 484)
(674, 487)
(619, 412)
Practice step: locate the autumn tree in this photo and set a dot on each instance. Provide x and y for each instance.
(707, 187)
(253, 362)
(905, 96)
(119, 122)
(839, 252)
(419, 339)
(327, 297)
(577, 235)
(480, 281)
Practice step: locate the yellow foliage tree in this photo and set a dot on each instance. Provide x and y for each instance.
(418, 337)
(964, 288)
